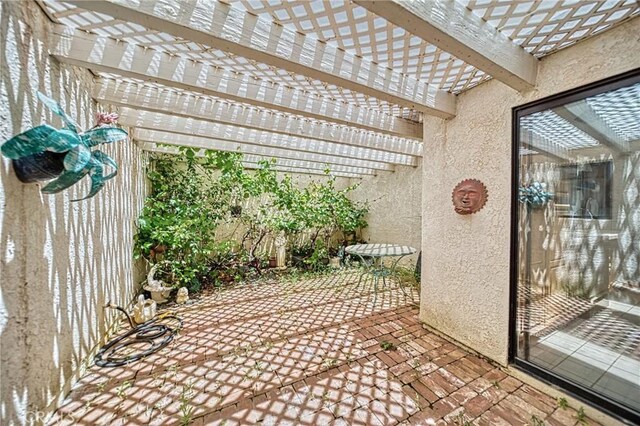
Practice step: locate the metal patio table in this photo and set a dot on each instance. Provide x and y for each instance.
(375, 266)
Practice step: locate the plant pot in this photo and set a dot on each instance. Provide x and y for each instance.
(273, 262)
(39, 167)
(159, 294)
(236, 211)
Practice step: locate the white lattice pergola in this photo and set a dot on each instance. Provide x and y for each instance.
(338, 85)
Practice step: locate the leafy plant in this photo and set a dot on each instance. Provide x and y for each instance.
(387, 346)
(179, 220)
(461, 420)
(406, 277)
(121, 391)
(581, 416)
(561, 402)
(185, 408)
(330, 362)
(190, 201)
(536, 421)
(78, 159)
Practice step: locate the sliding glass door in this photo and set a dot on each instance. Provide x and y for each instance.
(576, 242)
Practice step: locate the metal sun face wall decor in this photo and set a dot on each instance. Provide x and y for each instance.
(469, 196)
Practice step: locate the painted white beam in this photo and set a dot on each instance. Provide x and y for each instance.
(188, 126)
(298, 170)
(221, 26)
(191, 105)
(299, 164)
(316, 167)
(583, 117)
(146, 135)
(281, 165)
(453, 28)
(130, 60)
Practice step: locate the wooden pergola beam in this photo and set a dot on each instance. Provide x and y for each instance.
(130, 60)
(221, 26)
(453, 28)
(190, 105)
(187, 126)
(288, 166)
(160, 137)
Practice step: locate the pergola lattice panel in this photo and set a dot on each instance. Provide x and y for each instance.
(543, 27)
(540, 27)
(550, 126)
(105, 25)
(360, 32)
(620, 109)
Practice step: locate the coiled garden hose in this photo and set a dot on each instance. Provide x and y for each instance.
(150, 336)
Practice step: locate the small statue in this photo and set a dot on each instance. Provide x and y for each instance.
(281, 250)
(144, 310)
(183, 296)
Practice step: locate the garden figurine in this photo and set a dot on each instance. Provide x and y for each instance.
(182, 296)
(281, 253)
(144, 310)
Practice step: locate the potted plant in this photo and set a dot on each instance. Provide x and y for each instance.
(44, 152)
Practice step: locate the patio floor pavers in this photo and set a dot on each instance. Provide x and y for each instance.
(308, 352)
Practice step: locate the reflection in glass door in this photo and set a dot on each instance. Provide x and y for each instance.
(578, 241)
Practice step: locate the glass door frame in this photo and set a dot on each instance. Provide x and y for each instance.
(601, 402)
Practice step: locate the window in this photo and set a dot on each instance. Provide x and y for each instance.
(576, 242)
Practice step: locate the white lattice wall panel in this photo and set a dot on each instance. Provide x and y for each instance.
(545, 26)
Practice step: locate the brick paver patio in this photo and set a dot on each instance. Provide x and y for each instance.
(308, 352)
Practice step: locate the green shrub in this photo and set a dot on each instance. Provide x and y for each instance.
(190, 200)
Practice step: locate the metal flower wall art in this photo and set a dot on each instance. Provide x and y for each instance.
(44, 152)
(535, 194)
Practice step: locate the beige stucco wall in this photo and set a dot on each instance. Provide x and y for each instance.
(394, 207)
(60, 262)
(465, 270)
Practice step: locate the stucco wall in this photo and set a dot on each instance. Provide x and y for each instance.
(394, 207)
(465, 270)
(60, 261)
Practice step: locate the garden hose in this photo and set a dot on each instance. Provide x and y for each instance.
(151, 334)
